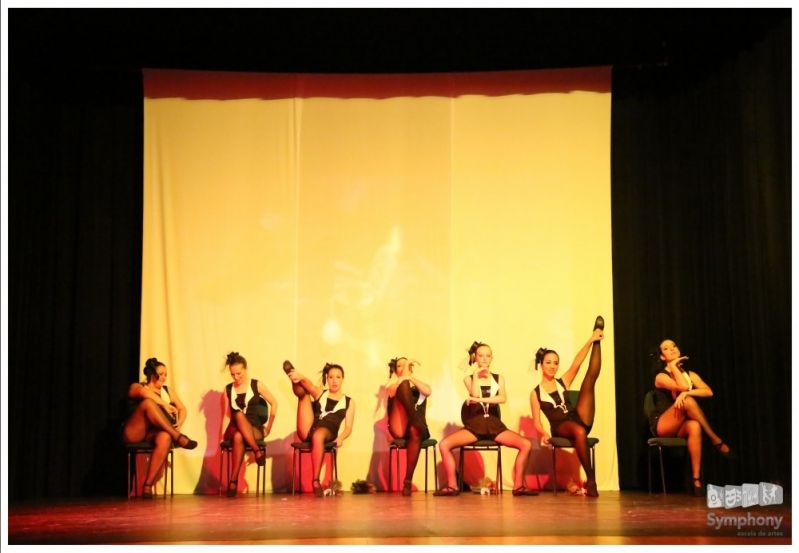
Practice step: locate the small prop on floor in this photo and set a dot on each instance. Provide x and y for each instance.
(485, 486)
(362, 486)
(334, 489)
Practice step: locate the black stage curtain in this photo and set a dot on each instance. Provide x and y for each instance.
(75, 201)
(701, 250)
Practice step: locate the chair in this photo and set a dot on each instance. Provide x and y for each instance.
(146, 448)
(396, 445)
(481, 445)
(301, 448)
(558, 442)
(226, 450)
(658, 442)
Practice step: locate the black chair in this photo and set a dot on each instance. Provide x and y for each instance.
(481, 445)
(301, 448)
(396, 445)
(146, 448)
(226, 450)
(659, 443)
(558, 442)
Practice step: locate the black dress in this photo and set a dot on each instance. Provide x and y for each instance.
(561, 411)
(483, 419)
(255, 408)
(332, 415)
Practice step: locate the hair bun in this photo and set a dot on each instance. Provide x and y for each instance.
(232, 357)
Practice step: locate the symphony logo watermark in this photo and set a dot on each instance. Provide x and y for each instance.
(746, 495)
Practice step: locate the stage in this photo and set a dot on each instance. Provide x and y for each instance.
(613, 518)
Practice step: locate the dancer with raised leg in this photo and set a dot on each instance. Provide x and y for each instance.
(246, 402)
(678, 414)
(481, 418)
(407, 404)
(320, 412)
(567, 420)
(157, 417)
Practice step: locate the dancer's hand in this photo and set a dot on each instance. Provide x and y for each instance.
(294, 377)
(473, 400)
(545, 440)
(679, 403)
(673, 365)
(171, 409)
(597, 335)
(339, 442)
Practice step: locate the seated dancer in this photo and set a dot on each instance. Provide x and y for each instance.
(320, 412)
(566, 420)
(678, 414)
(481, 419)
(157, 417)
(248, 412)
(407, 403)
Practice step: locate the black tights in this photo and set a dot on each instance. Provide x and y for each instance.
(416, 431)
(586, 407)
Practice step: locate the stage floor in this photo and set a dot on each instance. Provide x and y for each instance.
(613, 518)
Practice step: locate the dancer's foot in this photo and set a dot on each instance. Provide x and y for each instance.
(449, 491)
(260, 457)
(185, 442)
(287, 366)
(232, 488)
(147, 491)
(699, 488)
(599, 323)
(317, 488)
(590, 489)
(407, 488)
(524, 490)
(724, 450)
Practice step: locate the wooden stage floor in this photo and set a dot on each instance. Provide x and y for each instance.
(613, 518)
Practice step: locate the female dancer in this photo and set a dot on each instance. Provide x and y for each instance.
(566, 420)
(244, 405)
(407, 403)
(481, 419)
(678, 414)
(318, 421)
(157, 417)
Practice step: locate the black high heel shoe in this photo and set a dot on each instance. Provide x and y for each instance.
(599, 323)
(146, 491)
(317, 488)
(407, 488)
(260, 457)
(699, 491)
(232, 488)
(729, 454)
(287, 366)
(188, 444)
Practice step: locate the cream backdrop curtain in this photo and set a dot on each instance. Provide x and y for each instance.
(353, 230)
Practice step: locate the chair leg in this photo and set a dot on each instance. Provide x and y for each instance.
(435, 468)
(662, 472)
(293, 469)
(425, 469)
(460, 469)
(499, 468)
(554, 472)
(390, 469)
(335, 464)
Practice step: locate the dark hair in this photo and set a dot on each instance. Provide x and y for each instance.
(539, 355)
(326, 369)
(473, 351)
(657, 363)
(392, 365)
(151, 368)
(233, 358)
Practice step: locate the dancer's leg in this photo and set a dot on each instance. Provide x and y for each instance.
(586, 403)
(510, 438)
(162, 442)
(454, 440)
(576, 433)
(694, 412)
